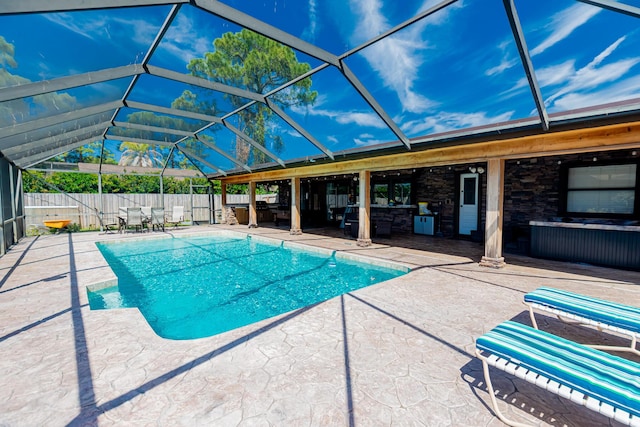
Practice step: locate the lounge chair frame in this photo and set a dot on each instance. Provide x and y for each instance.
(513, 366)
(589, 319)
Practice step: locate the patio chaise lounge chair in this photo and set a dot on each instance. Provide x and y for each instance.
(600, 381)
(587, 311)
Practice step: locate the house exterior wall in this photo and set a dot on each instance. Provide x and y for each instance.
(533, 191)
(440, 186)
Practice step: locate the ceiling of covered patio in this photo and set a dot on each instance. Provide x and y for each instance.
(233, 87)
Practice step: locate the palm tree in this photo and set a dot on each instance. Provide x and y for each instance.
(144, 155)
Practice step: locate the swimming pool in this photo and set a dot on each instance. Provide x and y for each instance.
(194, 287)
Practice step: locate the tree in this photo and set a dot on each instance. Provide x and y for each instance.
(144, 155)
(166, 122)
(19, 110)
(253, 62)
(89, 153)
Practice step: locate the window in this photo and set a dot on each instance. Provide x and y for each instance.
(402, 193)
(391, 193)
(380, 194)
(602, 189)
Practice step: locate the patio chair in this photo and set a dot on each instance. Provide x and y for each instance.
(177, 216)
(157, 218)
(122, 219)
(586, 311)
(134, 218)
(146, 216)
(600, 381)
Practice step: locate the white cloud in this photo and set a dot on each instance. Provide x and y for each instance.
(366, 140)
(591, 78)
(442, 15)
(97, 26)
(506, 61)
(605, 53)
(180, 40)
(561, 26)
(90, 28)
(144, 32)
(332, 139)
(564, 23)
(361, 119)
(445, 121)
(369, 119)
(623, 90)
(310, 31)
(403, 50)
(554, 74)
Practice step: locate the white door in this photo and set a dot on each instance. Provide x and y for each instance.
(468, 203)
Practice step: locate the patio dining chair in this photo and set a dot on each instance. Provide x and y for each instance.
(157, 218)
(134, 218)
(122, 219)
(177, 216)
(146, 216)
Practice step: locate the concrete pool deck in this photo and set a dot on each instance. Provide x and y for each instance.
(396, 353)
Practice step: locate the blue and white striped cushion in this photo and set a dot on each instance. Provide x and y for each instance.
(609, 313)
(597, 374)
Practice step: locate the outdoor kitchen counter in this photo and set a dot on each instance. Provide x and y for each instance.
(601, 244)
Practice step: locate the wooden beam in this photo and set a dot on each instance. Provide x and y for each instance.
(296, 200)
(364, 229)
(493, 227)
(253, 214)
(611, 137)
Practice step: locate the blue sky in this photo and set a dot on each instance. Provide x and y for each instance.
(456, 69)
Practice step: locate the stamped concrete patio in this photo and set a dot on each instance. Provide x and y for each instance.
(397, 353)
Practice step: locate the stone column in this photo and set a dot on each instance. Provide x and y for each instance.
(493, 229)
(253, 215)
(296, 199)
(364, 229)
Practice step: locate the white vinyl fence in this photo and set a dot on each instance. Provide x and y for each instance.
(83, 209)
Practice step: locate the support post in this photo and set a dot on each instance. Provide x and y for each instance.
(101, 202)
(223, 202)
(13, 205)
(191, 197)
(253, 215)
(364, 229)
(161, 192)
(296, 199)
(19, 202)
(493, 228)
(3, 239)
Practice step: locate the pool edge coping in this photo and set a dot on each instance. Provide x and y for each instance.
(366, 259)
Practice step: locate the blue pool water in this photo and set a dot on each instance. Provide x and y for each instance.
(200, 286)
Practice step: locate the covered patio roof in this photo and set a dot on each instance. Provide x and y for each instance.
(230, 87)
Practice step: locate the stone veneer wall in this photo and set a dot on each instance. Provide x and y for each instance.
(533, 190)
(401, 219)
(440, 185)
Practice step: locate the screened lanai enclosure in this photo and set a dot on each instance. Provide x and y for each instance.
(248, 91)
